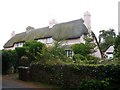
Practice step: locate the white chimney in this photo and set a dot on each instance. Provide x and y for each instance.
(12, 34)
(52, 23)
(87, 20)
(29, 28)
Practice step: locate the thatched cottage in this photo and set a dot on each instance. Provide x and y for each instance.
(71, 32)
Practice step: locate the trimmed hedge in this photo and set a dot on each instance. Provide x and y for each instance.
(8, 60)
(77, 76)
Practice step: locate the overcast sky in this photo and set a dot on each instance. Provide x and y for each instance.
(16, 15)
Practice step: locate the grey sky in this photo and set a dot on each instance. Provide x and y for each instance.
(16, 15)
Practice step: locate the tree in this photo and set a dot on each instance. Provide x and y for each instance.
(106, 38)
(89, 42)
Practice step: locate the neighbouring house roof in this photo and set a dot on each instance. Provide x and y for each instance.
(66, 30)
(110, 50)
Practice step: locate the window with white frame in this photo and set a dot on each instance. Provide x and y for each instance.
(69, 53)
(49, 40)
(19, 44)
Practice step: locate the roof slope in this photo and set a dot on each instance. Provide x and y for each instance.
(67, 30)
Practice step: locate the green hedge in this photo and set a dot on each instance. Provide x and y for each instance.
(8, 60)
(77, 76)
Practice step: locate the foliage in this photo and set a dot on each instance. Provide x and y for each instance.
(8, 59)
(81, 49)
(117, 47)
(79, 59)
(24, 61)
(77, 76)
(92, 59)
(89, 42)
(115, 61)
(84, 51)
(33, 48)
(21, 51)
(95, 84)
(21, 55)
(29, 51)
(53, 54)
(106, 38)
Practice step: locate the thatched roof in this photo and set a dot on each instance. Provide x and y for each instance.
(67, 30)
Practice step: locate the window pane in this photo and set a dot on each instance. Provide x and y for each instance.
(49, 40)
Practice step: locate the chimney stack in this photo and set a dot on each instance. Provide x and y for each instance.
(87, 20)
(52, 23)
(12, 34)
(29, 28)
